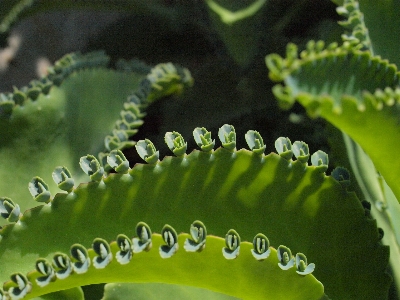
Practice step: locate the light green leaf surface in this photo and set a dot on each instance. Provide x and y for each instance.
(293, 206)
(74, 293)
(245, 277)
(144, 291)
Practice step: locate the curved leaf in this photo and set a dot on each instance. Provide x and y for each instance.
(258, 280)
(359, 95)
(144, 291)
(292, 205)
(70, 120)
(384, 41)
(74, 293)
(238, 25)
(56, 126)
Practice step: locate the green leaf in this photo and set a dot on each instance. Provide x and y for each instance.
(118, 161)
(69, 122)
(257, 280)
(384, 205)
(255, 142)
(292, 205)
(238, 24)
(63, 178)
(74, 119)
(176, 143)
(74, 293)
(379, 16)
(227, 136)
(10, 12)
(203, 139)
(229, 17)
(145, 291)
(39, 190)
(91, 166)
(9, 210)
(147, 151)
(358, 95)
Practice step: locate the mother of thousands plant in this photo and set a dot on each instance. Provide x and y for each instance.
(217, 223)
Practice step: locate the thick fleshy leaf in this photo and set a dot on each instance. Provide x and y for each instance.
(56, 127)
(359, 94)
(84, 104)
(311, 213)
(384, 41)
(145, 291)
(193, 269)
(74, 293)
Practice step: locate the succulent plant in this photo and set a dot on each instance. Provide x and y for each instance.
(213, 222)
